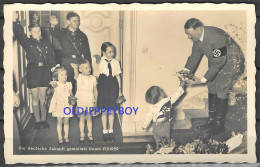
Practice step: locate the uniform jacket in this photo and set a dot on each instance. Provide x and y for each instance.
(36, 50)
(72, 43)
(219, 48)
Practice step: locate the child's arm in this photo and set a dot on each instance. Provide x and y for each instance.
(95, 94)
(148, 118)
(20, 35)
(177, 94)
(119, 84)
(76, 70)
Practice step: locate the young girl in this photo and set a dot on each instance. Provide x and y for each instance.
(41, 59)
(109, 87)
(86, 94)
(60, 100)
(159, 111)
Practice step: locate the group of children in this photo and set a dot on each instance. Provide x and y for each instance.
(90, 92)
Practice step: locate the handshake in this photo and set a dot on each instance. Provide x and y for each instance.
(186, 78)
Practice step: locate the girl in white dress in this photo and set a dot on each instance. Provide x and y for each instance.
(87, 95)
(60, 100)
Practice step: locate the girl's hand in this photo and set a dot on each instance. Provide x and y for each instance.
(54, 84)
(121, 99)
(53, 21)
(74, 66)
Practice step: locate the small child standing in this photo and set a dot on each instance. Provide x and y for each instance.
(109, 87)
(159, 111)
(86, 94)
(60, 100)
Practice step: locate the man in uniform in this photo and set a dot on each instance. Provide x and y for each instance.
(73, 41)
(225, 64)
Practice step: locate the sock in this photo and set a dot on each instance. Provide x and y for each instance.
(110, 130)
(105, 131)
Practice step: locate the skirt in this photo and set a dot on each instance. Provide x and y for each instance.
(37, 76)
(108, 90)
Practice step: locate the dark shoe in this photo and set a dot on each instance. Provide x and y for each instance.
(90, 139)
(45, 124)
(111, 137)
(60, 142)
(81, 140)
(67, 141)
(222, 109)
(37, 125)
(105, 137)
(212, 113)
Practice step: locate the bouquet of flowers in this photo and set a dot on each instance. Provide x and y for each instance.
(72, 100)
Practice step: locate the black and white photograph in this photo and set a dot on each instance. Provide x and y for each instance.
(117, 83)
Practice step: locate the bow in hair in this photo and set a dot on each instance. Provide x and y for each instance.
(53, 68)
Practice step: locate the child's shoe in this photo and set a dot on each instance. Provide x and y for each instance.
(45, 124)
(81, 140)
(105, 136)
(67, 141)
(111, 137)
(37, 125)
(90, 139)
(60, 142)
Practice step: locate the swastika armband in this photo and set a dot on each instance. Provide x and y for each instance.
(219, 52)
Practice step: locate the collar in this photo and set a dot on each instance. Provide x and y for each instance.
(202, 35)
(106, 59)
(71, 32)
(36, 39)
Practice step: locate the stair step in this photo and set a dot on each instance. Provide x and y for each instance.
(182, 124)
(196, 113)
(140, 139)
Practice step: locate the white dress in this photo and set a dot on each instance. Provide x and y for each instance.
(60, 100)
(85, 91)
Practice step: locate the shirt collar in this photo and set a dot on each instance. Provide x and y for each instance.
(202, 35)
(106, 59)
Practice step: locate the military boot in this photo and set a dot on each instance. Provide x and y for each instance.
(212, 113)
(222, 109)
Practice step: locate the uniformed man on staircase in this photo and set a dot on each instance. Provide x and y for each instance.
(225, 64)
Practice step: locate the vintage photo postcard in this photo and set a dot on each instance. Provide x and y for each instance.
(110, 83)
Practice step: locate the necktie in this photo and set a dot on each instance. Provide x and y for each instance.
(109, 66)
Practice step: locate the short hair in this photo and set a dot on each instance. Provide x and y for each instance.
(56, 72)
(83, 61)
(72, 14)
(193, 23)
(33, 25)
(153, 93)
(104, 47)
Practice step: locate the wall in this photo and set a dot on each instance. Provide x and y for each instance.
(163, 48)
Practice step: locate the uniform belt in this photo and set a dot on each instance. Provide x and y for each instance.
(40, 64)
